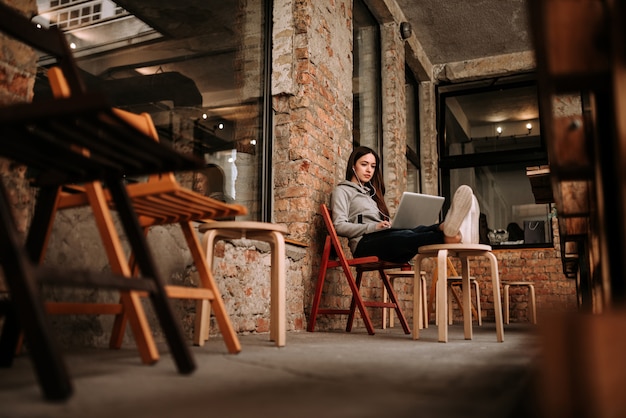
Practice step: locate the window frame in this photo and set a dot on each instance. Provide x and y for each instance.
(376, 142)
(533, 156)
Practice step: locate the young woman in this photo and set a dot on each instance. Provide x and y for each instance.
(359, 213)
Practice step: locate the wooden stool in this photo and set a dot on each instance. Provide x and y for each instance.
(273, 234)
(423, 320)
(533, 303)
(463, 252)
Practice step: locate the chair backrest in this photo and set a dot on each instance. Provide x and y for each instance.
(50, 41)
(61, 88)
(336, 249)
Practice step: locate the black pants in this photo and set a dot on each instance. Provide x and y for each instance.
(398, 245)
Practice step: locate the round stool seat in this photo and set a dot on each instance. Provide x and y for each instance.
(243, 226)
(454, 247)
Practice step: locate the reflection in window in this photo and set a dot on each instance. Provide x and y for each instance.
(199, 75)
(491, 121)
(413, 181)
(490, 136)
(366, 78)
(507, 203)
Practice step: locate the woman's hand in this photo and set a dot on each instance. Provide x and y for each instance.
(383, 225)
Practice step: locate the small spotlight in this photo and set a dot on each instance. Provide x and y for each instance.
(405, 30)
(253, 142)
(499, 130)
(220, 125)
(72, 45)
(205, 116)
(529, 126)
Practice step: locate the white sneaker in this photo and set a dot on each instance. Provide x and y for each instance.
(459, 208)
(470, 233)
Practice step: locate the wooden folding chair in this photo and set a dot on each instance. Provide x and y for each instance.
(75, 140)
(160, 200)
(333, 256)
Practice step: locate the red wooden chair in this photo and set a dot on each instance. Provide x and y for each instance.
(334, 256)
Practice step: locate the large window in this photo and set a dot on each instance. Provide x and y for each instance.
(489, 136)
(197, 69)
(366, 78)
(413, 181)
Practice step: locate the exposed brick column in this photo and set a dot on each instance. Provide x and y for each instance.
(394, 113)
(429, 155)
(312, 98)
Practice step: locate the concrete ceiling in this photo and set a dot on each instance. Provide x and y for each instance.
(459, 30)
(448, 30)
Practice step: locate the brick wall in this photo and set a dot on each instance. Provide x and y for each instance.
(312, 86)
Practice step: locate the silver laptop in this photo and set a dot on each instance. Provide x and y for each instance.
(417, 209)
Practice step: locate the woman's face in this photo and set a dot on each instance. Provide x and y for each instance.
(364, 168)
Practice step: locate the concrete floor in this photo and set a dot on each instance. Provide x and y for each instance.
(320, 374)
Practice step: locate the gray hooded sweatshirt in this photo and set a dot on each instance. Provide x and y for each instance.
(354, 211)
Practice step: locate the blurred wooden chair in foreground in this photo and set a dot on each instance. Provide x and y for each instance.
(79, 139)
(160, 200)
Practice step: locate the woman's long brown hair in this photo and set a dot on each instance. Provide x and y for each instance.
(376, 182)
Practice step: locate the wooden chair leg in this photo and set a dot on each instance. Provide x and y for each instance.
(442, 295)
(387, 313)
(118, 261)
(353, 303)
(497, 300)
(467, 298)
(278, 326)
(27, 311)
(208, 282)
(171, 328)
(533, 304)
(319, 286)
(507, 316)
(424, 310)
(202, 322)
(394, 300)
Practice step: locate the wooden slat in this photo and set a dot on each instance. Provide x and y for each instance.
(83, 308)
(54, 136)
(91, 279)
